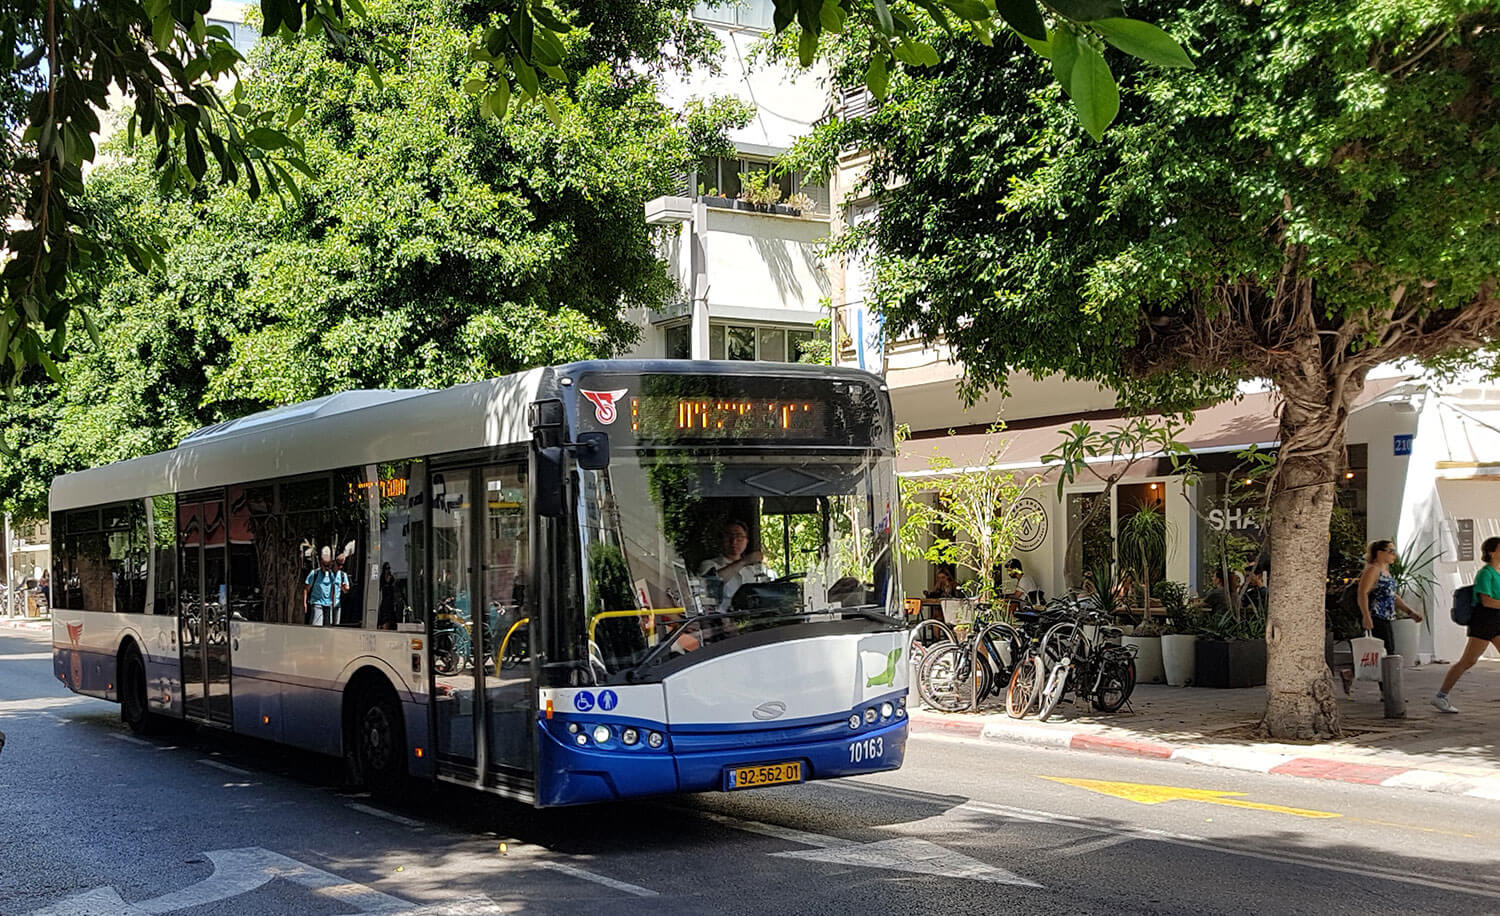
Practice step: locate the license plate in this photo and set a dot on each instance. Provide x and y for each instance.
(766, 774)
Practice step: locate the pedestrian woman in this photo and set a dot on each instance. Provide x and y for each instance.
(1377, 596)
(1484, 622)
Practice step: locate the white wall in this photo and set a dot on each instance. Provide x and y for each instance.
(761, 262)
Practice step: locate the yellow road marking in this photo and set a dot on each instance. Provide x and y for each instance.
(1155, 795)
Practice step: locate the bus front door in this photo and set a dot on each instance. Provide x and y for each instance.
(483, 692)
(202, 544)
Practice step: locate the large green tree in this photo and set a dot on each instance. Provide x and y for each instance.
(63, 63)
(435, 246)
(1317, 197)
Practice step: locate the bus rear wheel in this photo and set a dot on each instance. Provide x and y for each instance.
(380, 743)
(135, 712)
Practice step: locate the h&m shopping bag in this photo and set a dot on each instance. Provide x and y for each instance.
(1368, 651)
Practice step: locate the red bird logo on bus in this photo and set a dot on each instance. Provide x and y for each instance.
(604, 403)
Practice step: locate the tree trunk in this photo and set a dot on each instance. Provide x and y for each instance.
(1299, 688)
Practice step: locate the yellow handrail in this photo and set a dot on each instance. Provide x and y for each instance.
(513, 627)
(655, 612)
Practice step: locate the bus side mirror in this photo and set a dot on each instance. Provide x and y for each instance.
(549, 482)
(592, 451)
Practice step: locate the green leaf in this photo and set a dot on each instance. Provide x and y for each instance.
(968, 9)
(807, 48)
(925, 54)
(1024, 17)
(1088, 10)
(553, 114)
(832, 17)
(499, 99)
(268, 138)
(1064, 45)
(883, 19)
(374, 73)
(297, 114)
(877, 77)
(526, 77)
(475, 86)
(1143, 40)
(1095, 95)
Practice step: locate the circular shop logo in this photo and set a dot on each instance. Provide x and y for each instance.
(1032, 516)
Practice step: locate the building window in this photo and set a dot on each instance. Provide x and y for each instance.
(746, 14)
(767, 344)
(717, 174)
(679, 342)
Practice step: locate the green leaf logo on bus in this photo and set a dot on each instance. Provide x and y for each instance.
(888, 676)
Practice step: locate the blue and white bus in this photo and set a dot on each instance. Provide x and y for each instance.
(578, 583)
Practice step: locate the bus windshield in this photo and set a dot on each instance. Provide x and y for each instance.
(682, 548)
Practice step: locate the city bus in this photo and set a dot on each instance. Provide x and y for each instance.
(573, 584)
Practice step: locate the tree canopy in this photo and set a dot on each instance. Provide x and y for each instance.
(1317, 197)
(67, 63)
(435, 246)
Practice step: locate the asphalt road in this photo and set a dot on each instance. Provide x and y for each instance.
(98, 821)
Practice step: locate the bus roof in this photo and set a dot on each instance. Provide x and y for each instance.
(340, 430)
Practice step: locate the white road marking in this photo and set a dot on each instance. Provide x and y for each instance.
(914, 855)
(908, 854)
(1459, 885)
(101, 901)
(133, 739)
(26, 657)
(376, 812)
(1086, 847)
(208, 762)
(577, 872)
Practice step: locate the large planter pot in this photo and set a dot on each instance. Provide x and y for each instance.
(1147, 658)
(1179, 658)
(1408, 635)
(1230, 662)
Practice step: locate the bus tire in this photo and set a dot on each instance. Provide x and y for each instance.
(135, 712)
(380, 742)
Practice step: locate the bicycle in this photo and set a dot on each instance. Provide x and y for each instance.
(1028, 675)
(1099, 672)
(958, 675)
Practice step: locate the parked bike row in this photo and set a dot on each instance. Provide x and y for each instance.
(1030, 659)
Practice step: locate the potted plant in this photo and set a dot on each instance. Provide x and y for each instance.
(1178, 644)
(798, 204)
(759, 191)
(1143, 547)
(711, 197)
(1231, 650)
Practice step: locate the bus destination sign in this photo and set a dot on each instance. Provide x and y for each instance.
(678, 418)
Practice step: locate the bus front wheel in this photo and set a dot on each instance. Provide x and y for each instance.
(380, 743)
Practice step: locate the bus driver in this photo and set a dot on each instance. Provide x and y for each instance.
(735, 566)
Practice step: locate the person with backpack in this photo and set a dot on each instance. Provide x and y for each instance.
(1484, 622)
(1377, 596)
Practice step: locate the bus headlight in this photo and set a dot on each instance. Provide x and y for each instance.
(601, 734)
(871, 715)
(854, 720)
(572, 728)
(581, 739)
(630, 736)
(654, 739)
(885, 710)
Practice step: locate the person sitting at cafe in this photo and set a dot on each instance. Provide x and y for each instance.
(944, 585)
(1021, 586)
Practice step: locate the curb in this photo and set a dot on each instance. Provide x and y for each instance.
(1231, 758)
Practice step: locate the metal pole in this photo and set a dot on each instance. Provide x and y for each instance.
(1392, 690)
(10, 579)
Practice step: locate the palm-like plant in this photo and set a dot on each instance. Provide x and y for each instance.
(1411, 571)
(1143, 545)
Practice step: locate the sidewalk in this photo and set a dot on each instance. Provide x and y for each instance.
(26, 623)
(1453, 754)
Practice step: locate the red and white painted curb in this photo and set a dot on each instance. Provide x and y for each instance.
(1227, 757)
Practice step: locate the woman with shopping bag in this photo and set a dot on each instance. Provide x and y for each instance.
(1484, 622)
(1377, 596)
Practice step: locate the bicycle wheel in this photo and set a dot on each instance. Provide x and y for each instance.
(1025, 684)
(1056, 643)
(1115, 685)
(919, 655)
(1057, 683)
(949, 681)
